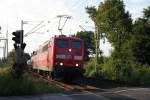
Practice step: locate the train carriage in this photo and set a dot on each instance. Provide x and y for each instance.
(62, 57)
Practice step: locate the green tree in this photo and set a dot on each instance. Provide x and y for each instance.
(147, 13)
(140, 42)
(111, 18)
(89, 43)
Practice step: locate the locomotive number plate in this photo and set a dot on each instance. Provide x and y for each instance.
(68, 57)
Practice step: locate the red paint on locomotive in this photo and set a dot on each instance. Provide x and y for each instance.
(60, 51)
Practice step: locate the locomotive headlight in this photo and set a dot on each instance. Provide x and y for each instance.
(69, 50)
(77, 57)
(60, 56)
(77, 65)
(61, 64)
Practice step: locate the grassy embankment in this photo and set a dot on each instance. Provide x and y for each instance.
(28, 85)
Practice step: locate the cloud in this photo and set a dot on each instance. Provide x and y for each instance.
(135, 7)
(13, 11)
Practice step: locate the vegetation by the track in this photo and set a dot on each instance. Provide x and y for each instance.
(24, 86)
(130, 57)
(137, 74)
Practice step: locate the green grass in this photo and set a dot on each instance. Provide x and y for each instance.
(25, 86)
(4, 65)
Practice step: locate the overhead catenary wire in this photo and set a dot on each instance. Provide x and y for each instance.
(34, 30)
(31, 31)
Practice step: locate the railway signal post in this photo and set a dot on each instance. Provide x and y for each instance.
(19, 48)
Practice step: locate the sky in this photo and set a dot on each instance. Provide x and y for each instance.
(35, 11)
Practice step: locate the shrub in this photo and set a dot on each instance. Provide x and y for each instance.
(108, 69)
(90, 68)
(10, 86)
(24, 86)
(141, 74)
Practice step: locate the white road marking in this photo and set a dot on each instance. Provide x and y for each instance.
(102, 97)
(86, 93)
(132, 90)
(74, 94)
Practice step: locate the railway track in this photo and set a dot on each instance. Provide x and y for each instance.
(90, 85)
(66, 87)
(81, 87)
(75, 86)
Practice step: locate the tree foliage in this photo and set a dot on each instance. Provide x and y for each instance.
(92, 11)
(140, 42)
(147, 13)
(112, 19)
(89, 42)
(131, 41)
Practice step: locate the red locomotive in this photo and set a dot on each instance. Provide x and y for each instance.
(61, 57)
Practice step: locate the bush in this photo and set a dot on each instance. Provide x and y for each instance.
(131, 72)
(90, 68)
(23, 86)
(108, 69)
(10, 86)
(125, 69)
(141, 74)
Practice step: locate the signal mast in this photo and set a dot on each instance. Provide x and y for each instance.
(66, 17)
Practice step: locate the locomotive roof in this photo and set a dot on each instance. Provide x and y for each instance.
(64, 37)
(59, 37)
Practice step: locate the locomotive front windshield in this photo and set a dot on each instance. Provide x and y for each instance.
(76, 44)
(62, 43)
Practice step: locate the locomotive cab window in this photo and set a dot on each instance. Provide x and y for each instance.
(76, 44)
(62, 43)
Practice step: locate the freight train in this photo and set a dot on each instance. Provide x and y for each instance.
(61, 57)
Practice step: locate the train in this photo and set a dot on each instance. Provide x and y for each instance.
(61, 57)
